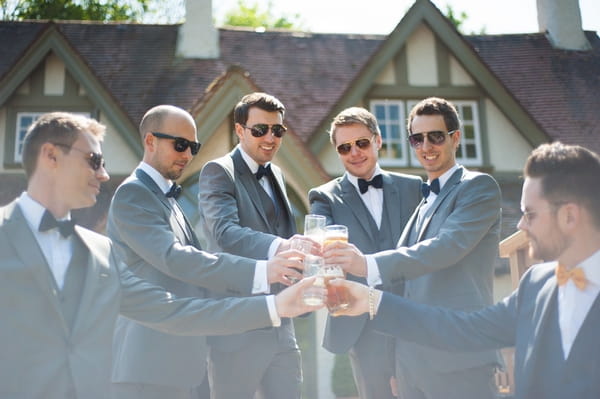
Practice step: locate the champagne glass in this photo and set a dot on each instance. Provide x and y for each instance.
(337, 297)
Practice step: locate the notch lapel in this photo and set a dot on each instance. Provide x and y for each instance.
(248, 180)
(392, 204)
(355, 204)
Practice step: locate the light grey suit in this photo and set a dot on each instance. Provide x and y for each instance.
(527, 320)
(237, 216)
(451, 264)
(340, 202)
(43, 355)
(155, 240)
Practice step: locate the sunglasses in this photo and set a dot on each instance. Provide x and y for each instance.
(260, 129)
(94, 159)
(362, 143)
(435, 137)
(180, 143)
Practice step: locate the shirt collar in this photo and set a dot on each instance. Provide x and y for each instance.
(252, 164)
(446, 176)
(33, 211)
(161, 182)
(354, 180)
(591, 267)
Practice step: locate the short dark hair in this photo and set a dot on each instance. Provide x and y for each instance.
(351, 116)
(56, 127)
(568, 173)
(435, 106)
(264, 101)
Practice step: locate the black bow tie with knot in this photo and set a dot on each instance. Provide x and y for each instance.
(363, 185)
(263, 171)
(174, 192)
(433, 187)
(65, 227)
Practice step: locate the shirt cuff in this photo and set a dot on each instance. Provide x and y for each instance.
(373, 276)
(275, 319)
(274, 247)
(260, 284)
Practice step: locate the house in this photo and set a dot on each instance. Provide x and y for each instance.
(513, 91)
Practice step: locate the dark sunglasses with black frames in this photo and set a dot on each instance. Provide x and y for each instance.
(180, 143)
(435, 137)
(94, 159)
(260, 129)
(362, 143)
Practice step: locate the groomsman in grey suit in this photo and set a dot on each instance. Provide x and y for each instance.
(552, 318)
(62, 286)
(445, 256)
(244, 210)
(375, 205)
(158, 243)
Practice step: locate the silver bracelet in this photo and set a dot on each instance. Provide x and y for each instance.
(371, 303)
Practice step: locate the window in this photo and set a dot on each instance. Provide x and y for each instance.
(469, 151)
(24, 120)
(391, 120)
(395, 151)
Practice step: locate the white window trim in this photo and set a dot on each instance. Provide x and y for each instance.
(478, 161)
(394, 162)
(18, 153)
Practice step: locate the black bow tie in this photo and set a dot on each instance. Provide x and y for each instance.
(263, 171)
(363, 185)
(174, 191)
(433, 187)
(65, 227)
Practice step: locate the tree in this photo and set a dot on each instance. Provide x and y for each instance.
(253, 16)
(97, 10)
(458, 20)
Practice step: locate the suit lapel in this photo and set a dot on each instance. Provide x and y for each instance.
(392, 207)
(450, 186)
(32, 257)
(248, 180)
(173, 210)
(545, 300)
(410, 225)
(282, 192)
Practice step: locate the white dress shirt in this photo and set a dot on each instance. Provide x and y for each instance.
(57, 249)
(373, 275)
(575, 304)
(260, 284)
(372, 198)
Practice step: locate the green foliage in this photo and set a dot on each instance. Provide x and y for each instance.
(95, 10)
(342, 381)
(255, 17)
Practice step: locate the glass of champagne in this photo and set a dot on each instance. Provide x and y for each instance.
(312, 266)
(337, 297)
(314, 227)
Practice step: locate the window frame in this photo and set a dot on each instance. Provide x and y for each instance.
(386, 125)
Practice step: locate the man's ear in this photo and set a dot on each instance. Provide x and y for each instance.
(48, 155)
(569, 215)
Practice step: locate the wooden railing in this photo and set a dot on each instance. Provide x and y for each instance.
(516, 249)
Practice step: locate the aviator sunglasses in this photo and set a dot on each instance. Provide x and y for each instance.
(94, 159)
(362, 143)
(180, 143)
(260, 129)
(435, 137)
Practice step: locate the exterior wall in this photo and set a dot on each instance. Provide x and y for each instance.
(2, 137)
(421, 58)
(458, 76)
(387, 77)
(120, 159)
(508, 150)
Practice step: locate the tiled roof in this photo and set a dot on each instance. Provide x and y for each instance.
(560, 89)
(310, 72)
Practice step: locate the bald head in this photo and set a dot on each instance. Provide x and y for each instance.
(157, 117)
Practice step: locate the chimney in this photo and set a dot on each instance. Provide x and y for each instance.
(198, 37)
(561, 21)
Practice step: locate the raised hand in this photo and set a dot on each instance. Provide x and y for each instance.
(290, 301)
(286, 267)
(347, 256)
(359, 297)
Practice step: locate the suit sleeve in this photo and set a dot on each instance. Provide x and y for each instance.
(320, 204)
(220, 214)
(137, 222)
(156, 308)
(475, 210)
(493, 327)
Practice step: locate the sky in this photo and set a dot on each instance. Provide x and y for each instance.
(382, 16)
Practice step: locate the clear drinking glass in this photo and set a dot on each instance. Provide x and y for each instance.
(337, 297)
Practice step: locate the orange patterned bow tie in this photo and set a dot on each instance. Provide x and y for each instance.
(577, 275)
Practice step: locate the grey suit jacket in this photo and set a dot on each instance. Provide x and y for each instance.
(520, 320)
(340, 203)
(43, 357)
(153, 239)
(233, 219)
(452, 264)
